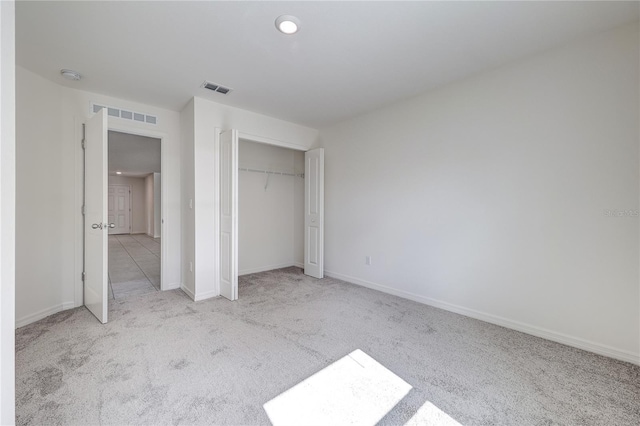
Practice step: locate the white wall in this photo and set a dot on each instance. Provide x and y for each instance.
(157, 204)
(44, 187)
(49, 184)
(187, 243)
(488, 196)
(200, 180)
(138, 201)
(148, 205)
(7, 212)
(267, 227)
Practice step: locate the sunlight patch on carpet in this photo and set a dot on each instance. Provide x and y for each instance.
(355, 390)
(429, 414)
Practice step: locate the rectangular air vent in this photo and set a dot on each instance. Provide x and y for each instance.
(216, 87)
(125, 114)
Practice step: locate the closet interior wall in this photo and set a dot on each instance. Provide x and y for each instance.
(270, 207)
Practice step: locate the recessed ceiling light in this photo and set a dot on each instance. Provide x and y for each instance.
(70, 74)
(287, 24)
(118, 173)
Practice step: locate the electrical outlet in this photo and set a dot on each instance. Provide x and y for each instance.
(191, 266)
(367, 260)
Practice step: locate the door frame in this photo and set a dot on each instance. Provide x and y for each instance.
(251, 138)
(164, 217)
(119, 127)
(130, 203)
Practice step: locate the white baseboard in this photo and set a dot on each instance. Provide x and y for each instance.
(172, 286)
(206, 295)
(565, 339)
(187, 292)
(36, 316)
(267, 268)
(299, 265)
(200, 296)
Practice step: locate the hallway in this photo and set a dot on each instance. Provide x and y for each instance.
(134, 265)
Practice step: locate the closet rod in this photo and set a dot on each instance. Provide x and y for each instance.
(269, 172)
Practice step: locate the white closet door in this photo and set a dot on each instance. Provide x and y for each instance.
(95, 223)
(229, 214)
(314, 213)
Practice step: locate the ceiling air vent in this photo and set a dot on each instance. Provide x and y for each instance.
(216, 87)
(125, 114)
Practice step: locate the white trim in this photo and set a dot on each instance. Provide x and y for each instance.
(199, 297)
(216, 210)
(173, 286)
(298, 264)
(78, 218)
(187, 292)
(268, 268)
(544, 333)
(164, 216)
(206, 295)
(270, 141)
(31, 318)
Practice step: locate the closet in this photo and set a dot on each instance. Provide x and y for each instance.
(270, 207)
(271, 213)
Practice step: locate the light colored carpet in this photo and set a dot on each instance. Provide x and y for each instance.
(164, 359)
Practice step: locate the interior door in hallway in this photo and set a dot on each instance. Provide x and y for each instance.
(95, 219)
(119, 211)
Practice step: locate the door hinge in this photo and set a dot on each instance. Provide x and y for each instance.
(83, 136)
(84, 210)
(83, 276)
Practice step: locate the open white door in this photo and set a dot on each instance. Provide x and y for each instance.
(314, 213)
(95, 220)
(229, 214)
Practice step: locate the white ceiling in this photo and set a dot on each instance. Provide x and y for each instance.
(348, 57)
(133, 155)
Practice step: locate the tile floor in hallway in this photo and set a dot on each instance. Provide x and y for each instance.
(134, 265)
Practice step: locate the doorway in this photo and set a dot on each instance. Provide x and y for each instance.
(133, 211)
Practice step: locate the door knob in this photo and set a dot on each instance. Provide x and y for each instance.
(96, 226)
(112, 225)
